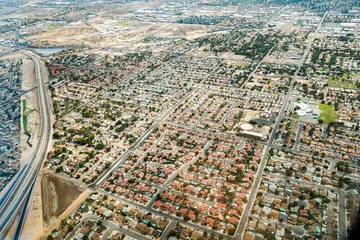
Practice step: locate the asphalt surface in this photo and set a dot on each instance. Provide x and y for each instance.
(244, 218)
(22, 188)
(137, 143)
(298, 135)
(342, 201)
(112, 227)
(18, 193)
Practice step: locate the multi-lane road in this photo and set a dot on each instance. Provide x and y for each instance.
(244, 219)
(144, 136)
(13, 202)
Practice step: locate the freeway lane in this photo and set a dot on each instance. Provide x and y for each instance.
(22, 189)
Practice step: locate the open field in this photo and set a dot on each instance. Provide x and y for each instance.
(327, 113)
(123, 24)
(342, 82)
(25, 113)
(53, 26)
(182, 119)
(33, 225)
(57, 195)
(99, 32)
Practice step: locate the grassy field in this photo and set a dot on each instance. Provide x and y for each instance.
(123, 24)
(327, 113)
(53, 26)
(24, 117)
(25, 114)
(293, 115)
(343, 82)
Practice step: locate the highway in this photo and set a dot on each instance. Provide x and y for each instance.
(21, 189)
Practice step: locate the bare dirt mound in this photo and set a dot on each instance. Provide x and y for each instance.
(57, 195)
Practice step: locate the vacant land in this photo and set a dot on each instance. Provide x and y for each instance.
(342, 82)
(33, 226)
(102, 32)
(327, 113)
(57, 195)
(25, 113)
(53, 26)
(123, 24)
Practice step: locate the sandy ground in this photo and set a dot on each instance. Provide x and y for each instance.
(33, 225)
(102, 32)
(250, 114)
(52, 116)
(188, 31)
(282, 60)
(22, 12)
(95, 34)
(4, 49)
(29, 81)
(35, 229)
(15, 55)
(233, 56)
(57, 195)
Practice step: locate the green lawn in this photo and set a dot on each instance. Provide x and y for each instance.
(293, 115)
(123, 24)
(327, 113)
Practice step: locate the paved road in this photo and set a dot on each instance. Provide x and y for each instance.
(22, 92)
(5, 144)
(302, 153)
(342, 201)
(298, 135)
(22, 188)
(112, 226)
(244, 218)
(137, 143)
(164, 215)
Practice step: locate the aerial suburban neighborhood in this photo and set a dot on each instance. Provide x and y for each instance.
(193, 119)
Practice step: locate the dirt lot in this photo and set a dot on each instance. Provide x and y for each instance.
(102, 32)
(71, 35)
(33, 226)
(33, 119)
(28, 81)
(188, 31)
(250, 114)
(57, 195)
(97, 33)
